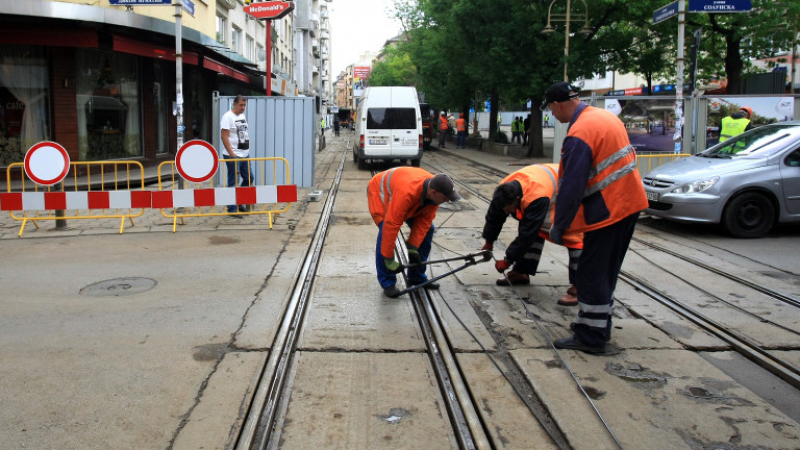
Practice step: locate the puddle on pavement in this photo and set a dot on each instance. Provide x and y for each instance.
(640, 377)
(209, 352)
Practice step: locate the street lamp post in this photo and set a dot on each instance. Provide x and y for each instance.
(567, 18)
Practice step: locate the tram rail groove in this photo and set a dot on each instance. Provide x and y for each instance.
(258, 428)
(741, 344)
(788, 299)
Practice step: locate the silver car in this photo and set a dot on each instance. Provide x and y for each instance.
(747, 183)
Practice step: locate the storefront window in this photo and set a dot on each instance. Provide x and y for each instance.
(109, 125)
(24, 117)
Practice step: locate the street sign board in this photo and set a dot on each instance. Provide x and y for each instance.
(720, 6)
(188, 6)
(269, 10)
(665, 12)
(139, 2)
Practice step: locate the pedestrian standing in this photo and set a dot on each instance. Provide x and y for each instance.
(600, 195)
(527, 196)
(236, 142)
(546, 120)
(336, 126)
(461, 131)
(526, 126)
(322, 125)
(514, 130)
(443, 126)
(412, 196)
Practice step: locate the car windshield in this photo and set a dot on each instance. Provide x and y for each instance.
(759, 142)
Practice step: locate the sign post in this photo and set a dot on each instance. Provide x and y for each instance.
(269, 11)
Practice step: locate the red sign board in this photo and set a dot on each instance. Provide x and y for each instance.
(269, 10)
(361, 72)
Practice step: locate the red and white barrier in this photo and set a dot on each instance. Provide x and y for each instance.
(186, 198)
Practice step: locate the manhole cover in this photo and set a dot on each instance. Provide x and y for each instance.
(119, 287)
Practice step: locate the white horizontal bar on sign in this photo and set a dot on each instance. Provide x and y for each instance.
(267, 194)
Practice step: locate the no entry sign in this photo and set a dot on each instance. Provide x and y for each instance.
(197, 161)
(269, 10)
(46, 163)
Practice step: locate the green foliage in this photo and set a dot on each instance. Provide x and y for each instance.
(396, 69)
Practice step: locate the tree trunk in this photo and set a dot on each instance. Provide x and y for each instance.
(536, 138)
(734, 64)
(495, 110)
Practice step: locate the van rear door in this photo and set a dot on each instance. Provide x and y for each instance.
(392, 131)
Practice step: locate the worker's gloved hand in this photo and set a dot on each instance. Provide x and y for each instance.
(502, 265)
(392, 266)
(414, 258)
(489, 245)
(556, 235)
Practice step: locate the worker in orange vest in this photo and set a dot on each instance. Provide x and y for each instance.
(443, 126)
(527, 195)
(412, 196)
(461, 130)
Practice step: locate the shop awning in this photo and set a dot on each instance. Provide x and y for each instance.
(51, 38)
(134, 47)
(210, 64)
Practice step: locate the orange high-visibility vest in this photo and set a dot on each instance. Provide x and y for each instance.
(443, 123)
(537, 181)
(461, 125)
(614, 174)
(395, 196)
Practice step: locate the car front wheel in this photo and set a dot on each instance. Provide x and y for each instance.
(749, 215)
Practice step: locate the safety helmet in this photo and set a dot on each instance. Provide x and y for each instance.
(748, 110)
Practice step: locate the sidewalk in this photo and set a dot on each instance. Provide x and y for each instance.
(505, 164)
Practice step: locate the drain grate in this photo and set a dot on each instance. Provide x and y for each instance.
(119, 287)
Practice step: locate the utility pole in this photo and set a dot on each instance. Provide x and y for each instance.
(179, 78)
(679, 85)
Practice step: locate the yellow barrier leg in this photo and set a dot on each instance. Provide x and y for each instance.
(270, 220)
(22, 228)
(174, 223)
(121, 225)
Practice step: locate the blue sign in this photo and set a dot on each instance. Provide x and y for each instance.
(720, 6)
(139, 2)
(664, 13)
(188, 6)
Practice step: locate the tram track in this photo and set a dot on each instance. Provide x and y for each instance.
(743, 344)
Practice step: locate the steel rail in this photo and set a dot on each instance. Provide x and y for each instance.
(547, 338)
(741, 344)
(788, 299)
(258, 428)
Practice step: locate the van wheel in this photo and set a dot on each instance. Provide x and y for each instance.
(749, 215)
(362, 163)
(416, 162)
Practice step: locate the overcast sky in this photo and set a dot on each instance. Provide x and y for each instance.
(358, 26)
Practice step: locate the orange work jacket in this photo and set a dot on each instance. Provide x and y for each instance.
(443, 125)
(538, 181)
(461, 125)
(395, 196)
(614, 179)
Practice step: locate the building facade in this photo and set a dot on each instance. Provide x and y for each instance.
(100, 79)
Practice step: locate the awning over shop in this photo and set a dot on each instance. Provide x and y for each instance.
(210, 64)
(51, 38)
(134, 47)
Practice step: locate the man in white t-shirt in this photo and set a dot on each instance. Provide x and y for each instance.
(236, 142)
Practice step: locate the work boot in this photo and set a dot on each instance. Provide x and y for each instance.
(573, 343)
(391, 291)
(570, 298)
(515, 278)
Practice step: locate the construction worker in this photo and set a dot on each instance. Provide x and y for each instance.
(527, 196)
(461, 130)
(443, 126)
(600, 194)
(735, 124)
(406, 195)
(516, 133)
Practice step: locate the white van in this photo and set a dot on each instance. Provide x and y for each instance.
(388, 126)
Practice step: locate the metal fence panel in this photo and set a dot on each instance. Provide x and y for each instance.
(279, 127)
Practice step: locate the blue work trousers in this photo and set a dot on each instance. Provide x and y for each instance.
(598, 268)
(529, 263)
(416, 275)
(242, 168)
(461, 139)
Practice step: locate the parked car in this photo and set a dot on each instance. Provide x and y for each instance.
(747, 183)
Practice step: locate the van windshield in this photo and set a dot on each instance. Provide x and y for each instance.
(391, 118)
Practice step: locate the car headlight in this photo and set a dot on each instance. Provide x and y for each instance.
(696, 186)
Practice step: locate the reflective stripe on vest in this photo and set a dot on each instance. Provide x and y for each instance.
(389, 172)
(612, 177)
(732, 127)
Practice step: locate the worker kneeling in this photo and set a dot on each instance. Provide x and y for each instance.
(406, 195)
(527, 195)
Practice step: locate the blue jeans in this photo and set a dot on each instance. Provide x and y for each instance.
(416, 275)
(245, 172)
(461, 139)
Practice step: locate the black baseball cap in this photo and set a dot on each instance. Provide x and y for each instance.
(559, 92)
(442, 183)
